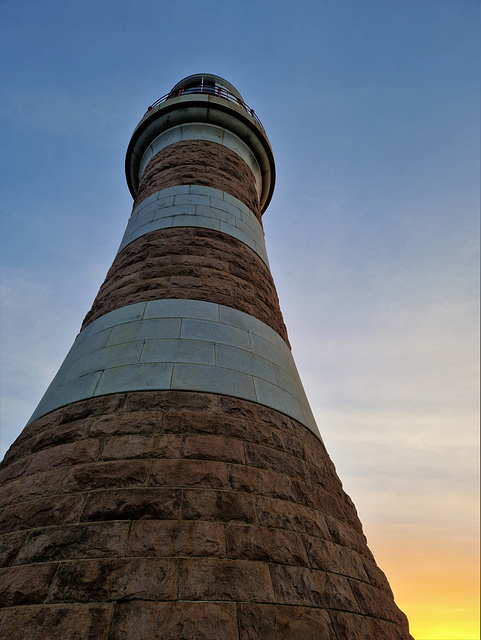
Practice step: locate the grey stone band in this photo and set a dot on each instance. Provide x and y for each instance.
(186, 345)
(196, 206)
(204, 131)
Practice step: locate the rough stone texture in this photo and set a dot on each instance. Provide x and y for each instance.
(190, 263)
(200, 162)
(182, 515)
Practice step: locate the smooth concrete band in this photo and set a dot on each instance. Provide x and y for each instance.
(203, 131)
(186, 345)
(196, 206)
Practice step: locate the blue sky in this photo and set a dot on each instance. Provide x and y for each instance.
(372, 108)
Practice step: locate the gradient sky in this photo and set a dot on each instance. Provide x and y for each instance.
(372, 108)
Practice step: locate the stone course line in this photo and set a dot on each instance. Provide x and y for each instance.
(180, 344)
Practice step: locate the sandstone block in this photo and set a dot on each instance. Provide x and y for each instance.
(188, 473)
(293, 517)
(260, 481)
(132, 504)
(104, 580)
(225, 506)
(25, 585)
(41, 513)
(135, 422)
(274, 622)
(10, 545)
(213, 448)
(249, 542)
(273, 460)
(299, 586)
(174, 620)
(74, 541)
(141, 446)
(31, 487)
(176, 538)
(102, 475)
(82, 622)
(212, 579)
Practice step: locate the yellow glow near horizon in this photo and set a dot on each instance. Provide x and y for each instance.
(438, 589)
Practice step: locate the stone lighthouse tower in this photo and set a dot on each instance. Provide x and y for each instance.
(172, 483)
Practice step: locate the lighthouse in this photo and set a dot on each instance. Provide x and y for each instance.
(172, 483)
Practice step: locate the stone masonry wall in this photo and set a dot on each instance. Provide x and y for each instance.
(168, 515)
(200, 162)
(195, 264)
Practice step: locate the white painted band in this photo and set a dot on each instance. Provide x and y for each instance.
(203, 131)
(184, 345)
(196, 206)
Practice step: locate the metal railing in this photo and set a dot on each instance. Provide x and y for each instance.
(219, 92)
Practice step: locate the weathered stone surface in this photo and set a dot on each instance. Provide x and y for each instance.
(25, 585)
(31, 487)
(131, 422)
(225, 506)
(141, 446)
(249, 542)
(142, 271)
(260, 481)
(274, 622)
(297, 585)
(104, 580)
(10, 545)
(106, 474)
(132, 504)
(56, 622)
(350, 626)
(176, 538)
(74, 541)
(188, 473)
(174, 621)
(273, 460)
(329, 556)
(41, 513)
(213, 448)
(294, 517)
(212, 579)
(200, 162)
(377, 603)
(165, 480)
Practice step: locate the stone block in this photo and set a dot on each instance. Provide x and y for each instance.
(293, 517)
(41, 513)
(224, 506)
(329, 556)
(141, 446)
(208, 447)
(106, 539)
(35, 486)
(213, 579)
(301, 586)
(38, 622)
(102, 475)
(249, 542)
(120, 579)
(174, 620)
(274, 460)
(132, 504)
(274, 622)
(188, 473)
(131, 422)
(10, 545)
(176, 538)
(260, 481)
(25, 585)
